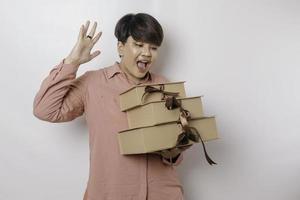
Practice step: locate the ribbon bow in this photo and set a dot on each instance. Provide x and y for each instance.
(150, 89)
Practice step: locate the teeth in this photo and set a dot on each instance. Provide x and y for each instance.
(144, 61)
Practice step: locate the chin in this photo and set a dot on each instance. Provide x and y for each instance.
(141, 75)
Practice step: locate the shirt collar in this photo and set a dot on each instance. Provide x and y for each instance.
(116, 69)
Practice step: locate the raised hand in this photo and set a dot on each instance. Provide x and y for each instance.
(81, 52)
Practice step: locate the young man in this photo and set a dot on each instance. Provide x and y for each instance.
(62, 97)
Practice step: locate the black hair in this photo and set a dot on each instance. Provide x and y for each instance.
(141, 26)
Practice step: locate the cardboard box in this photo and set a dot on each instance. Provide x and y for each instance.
(133, 96)
(162, 136)
(154, 113)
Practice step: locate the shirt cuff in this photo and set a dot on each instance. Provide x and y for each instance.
(65, 70)
(70, 67)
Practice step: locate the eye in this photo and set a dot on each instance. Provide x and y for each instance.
(138, 44)
(154, 48)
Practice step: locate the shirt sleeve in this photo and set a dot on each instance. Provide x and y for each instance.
(61, 95)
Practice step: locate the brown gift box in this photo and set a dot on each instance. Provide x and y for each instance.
(162, 136)
(154, 113)
(133, 96)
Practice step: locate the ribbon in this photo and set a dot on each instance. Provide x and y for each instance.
(188, 133)
(150, 89)
(191, 133)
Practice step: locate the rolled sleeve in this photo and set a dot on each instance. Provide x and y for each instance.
(61, 95)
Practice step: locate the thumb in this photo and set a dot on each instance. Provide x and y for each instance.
(94, 54)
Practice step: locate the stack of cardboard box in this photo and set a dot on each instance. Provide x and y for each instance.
(153, 127)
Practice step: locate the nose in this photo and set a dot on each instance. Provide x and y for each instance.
(146, 51)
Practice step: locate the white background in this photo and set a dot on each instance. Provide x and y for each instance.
(243, 56)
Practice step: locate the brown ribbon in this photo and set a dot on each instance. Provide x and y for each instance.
(191, 133)
(150, 89)
(188, 133)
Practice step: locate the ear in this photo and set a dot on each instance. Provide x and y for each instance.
(120, 48)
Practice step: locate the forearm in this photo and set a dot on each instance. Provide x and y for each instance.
(49, 100)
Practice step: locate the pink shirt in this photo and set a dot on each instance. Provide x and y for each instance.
(62, 97)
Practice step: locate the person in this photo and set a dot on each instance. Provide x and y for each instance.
(62, 97)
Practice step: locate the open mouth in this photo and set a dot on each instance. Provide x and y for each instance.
(142, 65)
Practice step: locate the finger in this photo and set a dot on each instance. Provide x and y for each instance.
(94, 54)
(80, 35)
(167, 153)
(176, 150)
(92, 32)
(96, 38)
(86, 27)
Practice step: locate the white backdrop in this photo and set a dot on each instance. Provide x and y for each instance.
(243, 56)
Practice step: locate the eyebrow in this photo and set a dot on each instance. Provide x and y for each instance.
(152, 45)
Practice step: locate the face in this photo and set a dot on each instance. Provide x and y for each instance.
(137, 57)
